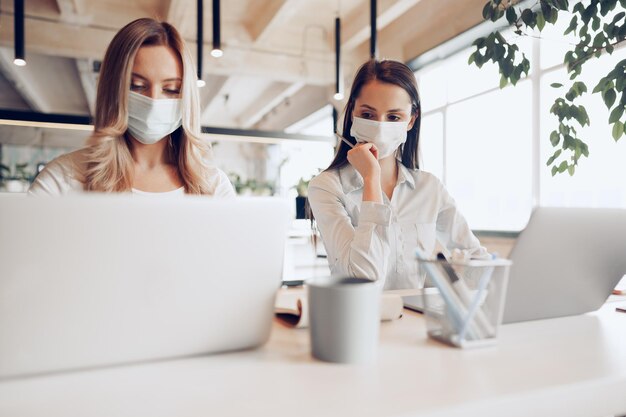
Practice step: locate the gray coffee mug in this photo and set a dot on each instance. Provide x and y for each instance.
(344, 319)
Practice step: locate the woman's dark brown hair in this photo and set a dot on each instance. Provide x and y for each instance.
(391, 72)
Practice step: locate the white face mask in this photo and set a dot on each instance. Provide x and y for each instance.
(387, 136)
(151, 120)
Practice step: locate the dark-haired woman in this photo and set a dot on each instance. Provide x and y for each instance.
(373, 205)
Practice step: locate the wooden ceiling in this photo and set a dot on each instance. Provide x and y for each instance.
(278, 62)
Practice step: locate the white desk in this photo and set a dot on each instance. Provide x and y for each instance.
(565, 367)
(301, 261)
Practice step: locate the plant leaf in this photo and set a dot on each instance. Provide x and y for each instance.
(571, 170)
(555, 138)
(609, 97)
(541, 21)
(503, 81)
(595, 25)
(600, 86)
(487, 11)
(618, 130)
(511, 15)
(616, 114)
(572, 25)
(528, 17)
(562, 4)
(553, 157)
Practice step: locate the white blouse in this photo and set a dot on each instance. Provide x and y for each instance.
(378, 241)
(59, 177)
(174, 193)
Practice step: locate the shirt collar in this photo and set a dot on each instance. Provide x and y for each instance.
(351, 180)
(405, 175)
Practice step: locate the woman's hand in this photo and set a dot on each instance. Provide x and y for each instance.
(364, 158)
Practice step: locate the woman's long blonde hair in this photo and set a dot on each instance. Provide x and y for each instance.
(109, 164)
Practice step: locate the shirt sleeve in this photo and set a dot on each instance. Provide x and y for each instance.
(51, 182)
(356, 251)
(224, 188)
(454, 233)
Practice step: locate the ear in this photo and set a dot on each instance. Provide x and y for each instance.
(412, 121)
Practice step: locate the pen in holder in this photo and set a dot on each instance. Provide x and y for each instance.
(467, 309)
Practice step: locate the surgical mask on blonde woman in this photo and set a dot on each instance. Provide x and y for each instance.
(387, 136)
(151, 120)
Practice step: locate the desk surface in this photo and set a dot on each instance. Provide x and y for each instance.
(573, 366)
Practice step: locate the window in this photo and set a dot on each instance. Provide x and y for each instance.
(431, 144)
(489, 157)
(599, 179)
(476, 138)
(490, 146)
(302, 159)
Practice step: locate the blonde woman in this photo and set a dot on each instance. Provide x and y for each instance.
(146, 134)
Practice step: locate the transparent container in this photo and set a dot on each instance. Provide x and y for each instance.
(467, 305)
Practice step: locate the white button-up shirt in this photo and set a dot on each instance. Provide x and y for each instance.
(378, 241)
(62, 176)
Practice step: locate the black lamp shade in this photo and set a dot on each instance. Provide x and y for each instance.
(18, 15)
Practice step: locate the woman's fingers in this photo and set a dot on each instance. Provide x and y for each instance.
(364, 158)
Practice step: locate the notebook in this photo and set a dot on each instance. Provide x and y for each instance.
(292, 309)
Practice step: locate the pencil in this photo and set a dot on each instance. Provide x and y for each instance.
(345, 140)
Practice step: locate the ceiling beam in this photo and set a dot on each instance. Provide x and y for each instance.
(270, 98)
(266, 16)
(214, 83)
(213, 112)
(454, 18)
(426, 25)
(307, 100)
(88, 80)
(182, 15)
(58, 39)
(180, 12)
(356, 26)
(70, 9)
(46, 9)
(21, 79)
(47, 84)
(10, 98)
(271, 65)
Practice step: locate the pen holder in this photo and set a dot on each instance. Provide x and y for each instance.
(466, 309)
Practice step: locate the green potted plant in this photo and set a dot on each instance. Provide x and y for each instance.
(16, 180)
(599, 26)
(302, 189)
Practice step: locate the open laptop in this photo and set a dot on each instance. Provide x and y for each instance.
(565, 262)
(97, 280)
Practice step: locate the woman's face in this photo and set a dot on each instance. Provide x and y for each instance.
(384, 102)
(157, 72)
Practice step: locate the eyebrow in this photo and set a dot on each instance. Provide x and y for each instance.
(134, 74)
(389, 111)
